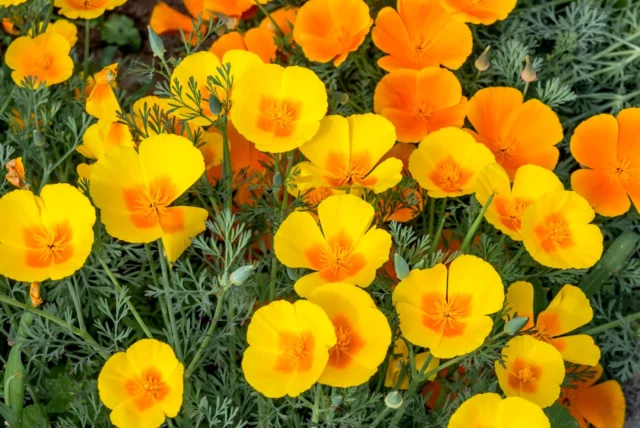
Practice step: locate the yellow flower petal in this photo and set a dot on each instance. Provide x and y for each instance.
(520, 301)
(176, 241)
(297, 234)
(578, 349)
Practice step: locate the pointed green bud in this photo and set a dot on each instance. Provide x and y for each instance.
(402, 267)
(514, 325)
(240, 275)
(157, 46)
(214, 104)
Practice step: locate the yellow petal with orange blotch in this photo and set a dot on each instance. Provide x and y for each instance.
(177, 236)
(297, 235)
(578, 349)
(345, 214)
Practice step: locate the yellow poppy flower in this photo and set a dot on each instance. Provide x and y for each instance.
(288, 348)
(447, 163)
(143, 385)
(400, 359)
(362, 332)
(490, 410)
(556, 231)
(446, 311)
(102, 136)
(509, 203)
(134, 191)
(532, 369)
(45, 57)
(102, 101)
(86, 9)
(278, 108)
(346, 153)
(567, 311)
(50, 236)
(5, 3)
(345, 250)
(65, 28)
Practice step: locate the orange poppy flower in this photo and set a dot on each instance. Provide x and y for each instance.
(609, 148)
(284, 18)
(166, 20)
(102, 101)
(420, 102)
(257, 40)
(479, 12)
(420, 34)
(602, 405)
(330, 29)
(231, 8)
(517, 133)
(9, 26)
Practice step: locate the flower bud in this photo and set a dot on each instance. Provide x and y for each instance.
(214, 104)
(34, 293)
(514, 325)
(393, 400)
(16, 173)
(402, 267)
(240, 275)
(528, 74)
(483, 63)
(157, 46)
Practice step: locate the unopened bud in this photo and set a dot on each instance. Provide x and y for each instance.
(528, 74)
(34, 293)
(393, 400)
(16, 173)
(514, 325)
(277, 179)
(38, 139)
(340, 97)
(240, 275)
(401, 266)
(214, 104)
(483, 63)
(157, 46)
(336, 400)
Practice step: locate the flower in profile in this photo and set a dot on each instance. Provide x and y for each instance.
(362, 333)
(65, 28)
(50, 235)
(601, 406)
(284, 19)
(257, 40)
(509, 203)
(412, 202)
(556, 231)
(288, 348)
(345, 154)
(329, 30)
(143, 385)
(532, 369)
(608, 148)
(446, 310)
(34, 294)
(99, 138)
(517, 133)
(477, 12)
(490, 410)
(44, 57)
(102, 101)
(16, 173)
(278, 108)
(399, 364)
(134, 191)
(569, 310)
(447, 163)
(86, 9)
(420, 34)
(420, 102)
(347, 249)
(166, 20)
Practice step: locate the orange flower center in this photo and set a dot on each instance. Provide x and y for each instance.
(524, 376)
(624, 171)
(349, 342)
(450, 176)
(446, 314)
(547, 327)
(510, 211)
(43, 62)
(336, 260)
(147, 389)
(342, 36)
(554, 233)
(504, 149)
(148, 209)
(278, 116)
(423, 112)
(346, 174)
(297, 352)
(48, 247)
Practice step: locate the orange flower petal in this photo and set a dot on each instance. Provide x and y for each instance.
(602, 190)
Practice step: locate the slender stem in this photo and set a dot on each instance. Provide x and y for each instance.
(75, 294)
(268, 15)
(156, 282)
(315, 415)
(519, 254)
(132, 308)
(442, 218)
(207, 337)
(613, 324)
(45, 22)
(277, 189)
(615, 46)
(172, 316)
(85, 68)
(8, 100)
(227, 170)
(432, 216)
(475, 225)
(526, 88)
(54, 319)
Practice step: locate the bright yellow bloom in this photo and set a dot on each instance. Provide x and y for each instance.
(362, 332)
(288, 348)
(65, 28)
(446, 311)
(45, 57)
(399, 363)
(47, 236)
(479, 12)
(86, 9)
(345, 250)
(5, 3)
(556, 231)
(143, 385)
(447, 163)
(490, 410)
(533, 370)
(569, 310)
(509, 203)
(99, 138)
(345, 153)
(102, 101)
(134, 191)
(278, 108)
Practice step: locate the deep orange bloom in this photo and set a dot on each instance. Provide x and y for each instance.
(231, 8)
(609, 148)
(331, 29)
(284, 17)
(420, 102)
(602, 405)
(420, 34)
(257, 40)
(517, 133)
(479, 11)
(166, 20)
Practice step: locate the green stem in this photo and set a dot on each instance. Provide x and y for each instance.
(613, 324)
(227, 170)
(75, 295)
(442, 218)
(8, 100)
(207, 337)
(615, 46)
(156, 282)
(432, 216)
(172, 317)
(283, 204)
(45, 22)
(85, 68)
(54, 319)
(132, 308)
(268, 15)
(315, 415)
(474, 226)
